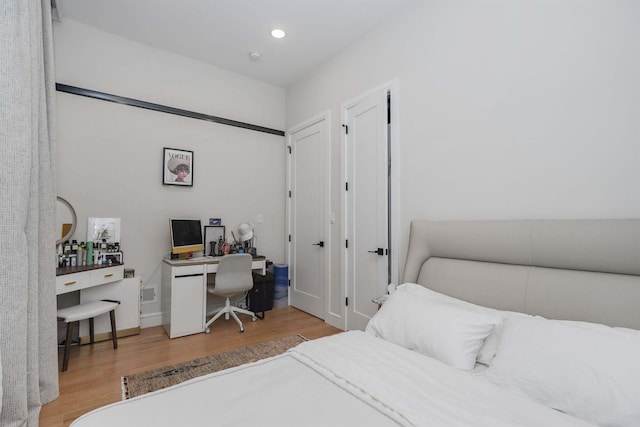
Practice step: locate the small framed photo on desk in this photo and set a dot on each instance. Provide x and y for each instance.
(212, 234)
(107, 229)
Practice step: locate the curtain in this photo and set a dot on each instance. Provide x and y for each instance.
(28, 332)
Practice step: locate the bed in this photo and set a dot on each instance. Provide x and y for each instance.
(497, 323)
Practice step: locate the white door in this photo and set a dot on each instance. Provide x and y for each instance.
(309, 243)
(366, 205)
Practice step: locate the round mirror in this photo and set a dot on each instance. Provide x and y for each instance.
(66, 220)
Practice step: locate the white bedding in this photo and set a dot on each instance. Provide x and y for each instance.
(347, 379)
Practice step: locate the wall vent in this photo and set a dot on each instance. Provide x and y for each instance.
(148, 295)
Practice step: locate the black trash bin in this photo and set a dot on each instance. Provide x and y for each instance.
(261, 296)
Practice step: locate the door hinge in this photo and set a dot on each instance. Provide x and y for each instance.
(289, 283)
(346, 186)
(289, 193)
(346, 129)
(289, 237)
(289, 147)
(347, 243)
(346, 301)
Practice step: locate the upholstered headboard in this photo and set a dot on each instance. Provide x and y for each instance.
(561, 269)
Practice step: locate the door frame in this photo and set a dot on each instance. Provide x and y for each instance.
(326, 117)
(393, 149)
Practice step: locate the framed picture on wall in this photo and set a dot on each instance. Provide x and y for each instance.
(213, 233)
(177, 167)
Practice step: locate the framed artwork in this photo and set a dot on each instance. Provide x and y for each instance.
(103, 228)
(213, 233)
(177, 167)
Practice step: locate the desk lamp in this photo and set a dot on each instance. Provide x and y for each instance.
(246, 236)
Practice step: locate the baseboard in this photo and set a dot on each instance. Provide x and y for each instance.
(150, 320)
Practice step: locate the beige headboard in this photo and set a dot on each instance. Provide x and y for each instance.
(561, 269)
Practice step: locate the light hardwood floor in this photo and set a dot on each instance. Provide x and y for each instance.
(93, 377)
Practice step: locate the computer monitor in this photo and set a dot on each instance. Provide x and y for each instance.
(186, 236)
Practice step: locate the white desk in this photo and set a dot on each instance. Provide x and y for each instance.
(184, 293)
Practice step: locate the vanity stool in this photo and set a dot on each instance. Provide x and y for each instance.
(73, 315)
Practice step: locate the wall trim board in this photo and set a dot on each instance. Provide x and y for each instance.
(150, 320)
(162, 108)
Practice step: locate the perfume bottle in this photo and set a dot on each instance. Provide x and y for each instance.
(220, 246)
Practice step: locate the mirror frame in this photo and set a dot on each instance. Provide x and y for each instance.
(74, 221)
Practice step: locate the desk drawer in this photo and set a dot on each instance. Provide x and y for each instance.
(107, 275)
(72, 282)
(188, 270)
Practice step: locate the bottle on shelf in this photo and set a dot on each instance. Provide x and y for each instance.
(220, 247)
(89, 260)
(80, 255)
(66, 254)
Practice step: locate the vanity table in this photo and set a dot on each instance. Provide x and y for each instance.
(184, 292)
(97, 282)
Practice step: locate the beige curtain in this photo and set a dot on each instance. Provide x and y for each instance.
(28, 348)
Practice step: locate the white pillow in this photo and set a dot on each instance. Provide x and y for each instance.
(591, 373)
(443, 331)
(490, 345)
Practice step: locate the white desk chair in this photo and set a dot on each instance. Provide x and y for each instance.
(232, 278)
(73, 315)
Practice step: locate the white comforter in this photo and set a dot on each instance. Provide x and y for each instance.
(349, 379)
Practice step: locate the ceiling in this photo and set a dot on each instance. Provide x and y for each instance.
(224, 32)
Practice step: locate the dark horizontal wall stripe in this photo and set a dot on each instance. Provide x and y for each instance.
(162, 108)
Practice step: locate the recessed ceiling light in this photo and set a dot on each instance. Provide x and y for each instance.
(255, 56)
(278, 33)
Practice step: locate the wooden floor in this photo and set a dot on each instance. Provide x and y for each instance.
(93, 377)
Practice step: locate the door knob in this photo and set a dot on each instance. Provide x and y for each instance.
(379, 251)
(321, 244)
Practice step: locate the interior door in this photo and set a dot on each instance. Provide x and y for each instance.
(366, 205)
(309, 244)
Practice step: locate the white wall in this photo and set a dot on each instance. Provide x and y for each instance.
(508, 109)
(109, 156)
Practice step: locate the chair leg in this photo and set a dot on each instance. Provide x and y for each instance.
(67, 346)
(242, 311)
(235, 317)
(214, 318)
(230, 311)
(92, 335)
(114, 331)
